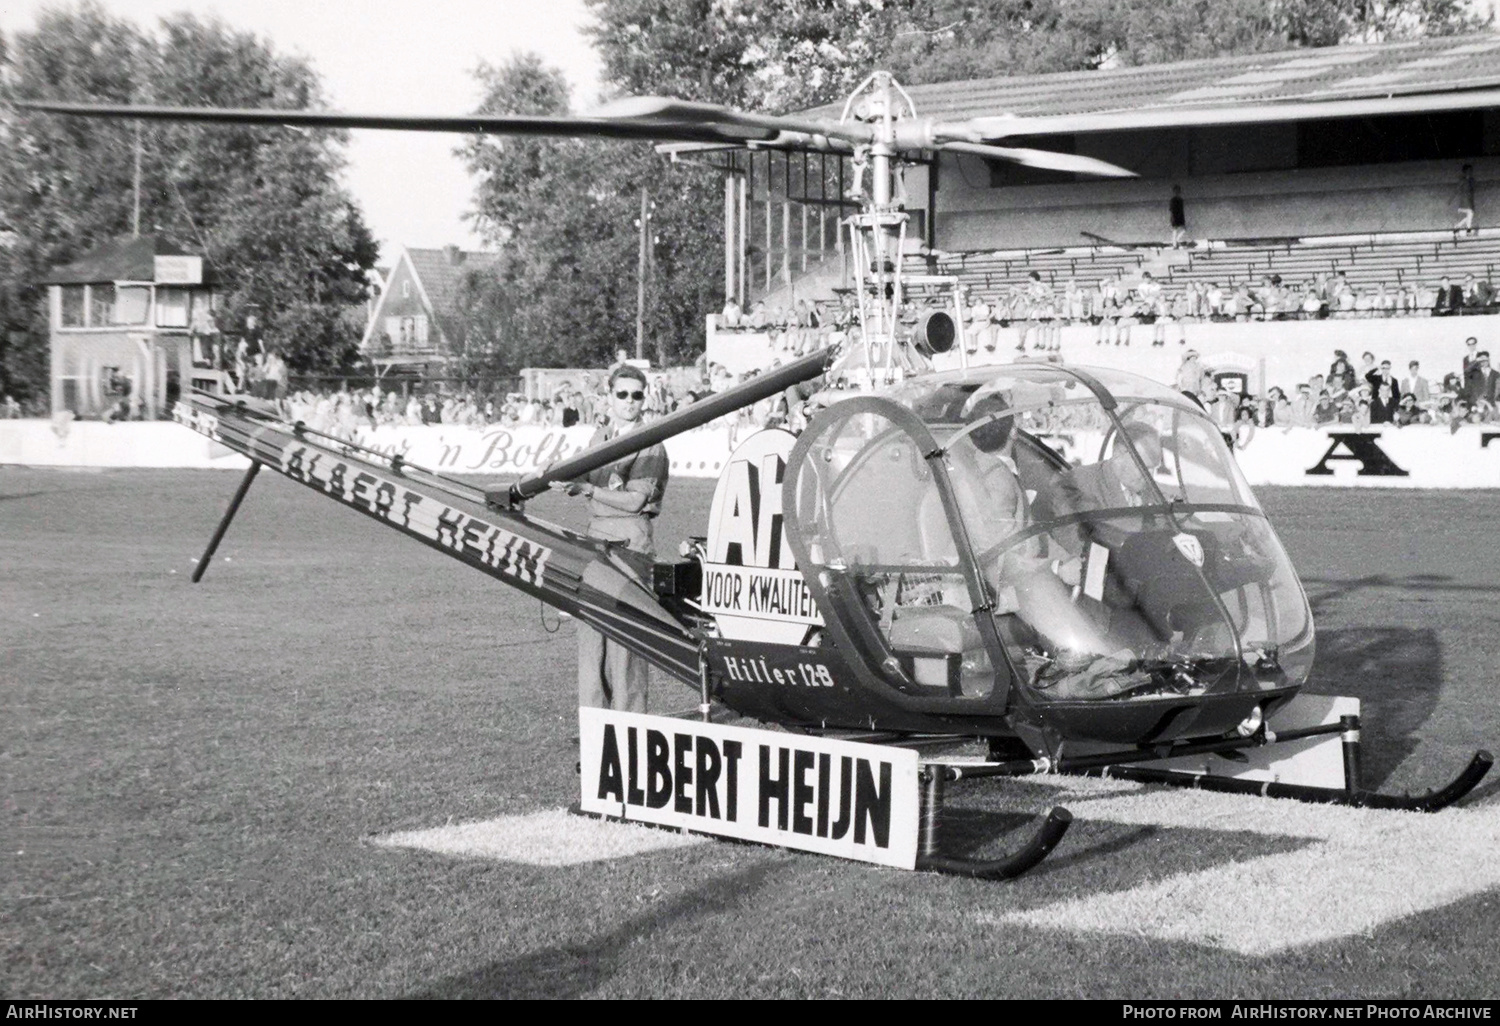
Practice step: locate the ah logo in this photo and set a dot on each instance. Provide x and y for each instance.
(745, 524)
(751, 583)
(1359, 448)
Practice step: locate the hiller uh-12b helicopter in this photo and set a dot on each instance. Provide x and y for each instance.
(1061, 562)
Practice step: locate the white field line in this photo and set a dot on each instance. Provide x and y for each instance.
(553, 837)
(1361, 869)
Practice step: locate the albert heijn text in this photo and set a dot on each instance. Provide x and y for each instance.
(819, 794)
(808, 793)
(502, 550)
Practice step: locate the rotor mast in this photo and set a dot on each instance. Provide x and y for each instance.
(878, 231)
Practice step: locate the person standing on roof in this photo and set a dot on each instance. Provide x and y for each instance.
(1178, 215)
(1465, 200)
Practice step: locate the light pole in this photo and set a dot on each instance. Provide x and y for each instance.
(643, 268)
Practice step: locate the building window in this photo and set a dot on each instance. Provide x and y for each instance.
(74, 306)
(201, 311)
(406, 289)
(101, 305)
(132, 305)
(172, 308)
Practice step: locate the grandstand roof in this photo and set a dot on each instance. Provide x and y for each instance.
(1406, 75)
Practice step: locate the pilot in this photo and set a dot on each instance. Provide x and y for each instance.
(624, 498)
(991, 501)
(984, 476)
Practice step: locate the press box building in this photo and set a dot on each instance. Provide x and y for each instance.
(138, 308)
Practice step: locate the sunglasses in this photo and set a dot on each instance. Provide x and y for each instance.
(637, 395)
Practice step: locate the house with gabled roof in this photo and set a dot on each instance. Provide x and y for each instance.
(416, 321)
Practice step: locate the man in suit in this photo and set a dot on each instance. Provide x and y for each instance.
(1116, 481)
(1482, 384)
(1450, 298)
(1112, 483)
(1416, 386)
(1385, 402)
(1382, 376)
(1471, 351)
(1478, 295)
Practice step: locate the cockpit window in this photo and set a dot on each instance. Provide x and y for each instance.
(865, 480)
(873, 524)
(1106, 534)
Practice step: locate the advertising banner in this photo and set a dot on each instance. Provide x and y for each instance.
(751, 583)
(856, 801)
(1381, 456)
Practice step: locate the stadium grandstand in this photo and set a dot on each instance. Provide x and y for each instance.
(1316, 188)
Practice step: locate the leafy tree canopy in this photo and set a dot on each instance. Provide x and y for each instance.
(565, 214)
(263, 204)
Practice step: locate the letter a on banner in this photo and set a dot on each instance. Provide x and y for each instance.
(1361, 449)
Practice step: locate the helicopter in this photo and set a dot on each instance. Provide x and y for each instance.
(1059, 564)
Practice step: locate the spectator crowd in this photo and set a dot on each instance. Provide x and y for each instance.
(1371, 394)
(1122, 310)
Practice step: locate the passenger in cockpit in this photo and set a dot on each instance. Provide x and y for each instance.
(1116, 481)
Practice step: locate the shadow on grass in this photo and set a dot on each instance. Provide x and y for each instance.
(22, 495)
(1484, 792)
(1397, 675)
(577, 969)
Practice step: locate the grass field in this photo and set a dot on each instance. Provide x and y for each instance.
(197, 784)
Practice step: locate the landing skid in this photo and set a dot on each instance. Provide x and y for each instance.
(1429, 801)
(934, 779)
(1118, 765)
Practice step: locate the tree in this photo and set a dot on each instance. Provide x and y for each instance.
(564, 213)
(264, 204)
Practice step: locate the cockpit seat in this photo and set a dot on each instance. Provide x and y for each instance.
(931, 642)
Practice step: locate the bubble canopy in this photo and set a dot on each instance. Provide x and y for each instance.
(1052, 538)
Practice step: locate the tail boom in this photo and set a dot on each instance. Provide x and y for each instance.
(586, 578)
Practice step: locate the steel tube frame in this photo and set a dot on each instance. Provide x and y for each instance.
(934, 779)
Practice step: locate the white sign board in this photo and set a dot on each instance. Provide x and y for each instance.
(856, 801)
(179, 270)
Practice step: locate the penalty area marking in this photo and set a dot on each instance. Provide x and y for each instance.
(1360, 869)
(553, 837)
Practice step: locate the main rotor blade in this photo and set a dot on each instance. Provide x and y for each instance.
(638, 117)
(1044, 159)
(667, 109)
(1312, 110)
(603, 125)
